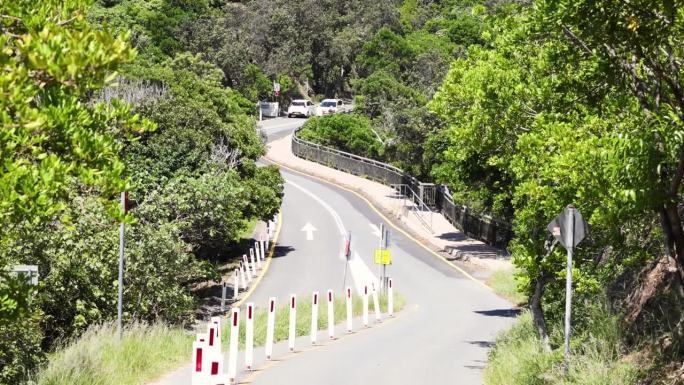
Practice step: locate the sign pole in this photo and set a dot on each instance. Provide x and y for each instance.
(570, 237)
(122, 245)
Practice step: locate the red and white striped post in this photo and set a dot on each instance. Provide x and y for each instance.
(349, 309)
(243, 280)
(249, 337)
(248, 269)
(262, 244)
(259, 253)
(314, 317)
(293, 322)
(376, 305)
(331, 316)
(365, 306)
(217, 325)
(233, 347)
(390, 298)
(236, 285)
(252, 260)
(198, 357)
(212, 357)
(270, 324)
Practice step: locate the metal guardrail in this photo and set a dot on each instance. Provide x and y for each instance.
(481, 227)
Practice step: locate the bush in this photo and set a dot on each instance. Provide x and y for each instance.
(351, 133)
(519, 357)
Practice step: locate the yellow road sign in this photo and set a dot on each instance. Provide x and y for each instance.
(386, 258)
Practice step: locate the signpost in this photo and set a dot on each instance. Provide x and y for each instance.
(382, 254)
(569, 228)
(122, 245)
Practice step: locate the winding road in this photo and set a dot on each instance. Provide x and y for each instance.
(449, 321)
(442, 335)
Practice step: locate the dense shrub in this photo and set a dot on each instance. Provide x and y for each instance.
(351, 133)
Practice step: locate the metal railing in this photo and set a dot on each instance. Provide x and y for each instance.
(481, 227)
(417, 206)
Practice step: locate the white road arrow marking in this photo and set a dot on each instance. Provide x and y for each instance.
(376, 230)
(308, 227)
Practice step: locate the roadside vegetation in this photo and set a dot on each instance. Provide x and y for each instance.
(520, 108)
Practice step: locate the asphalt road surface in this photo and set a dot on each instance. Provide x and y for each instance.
(442, 335)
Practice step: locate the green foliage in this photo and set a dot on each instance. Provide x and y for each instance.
(21, 351)
(347, 132)
(53, 58)
(520, 358)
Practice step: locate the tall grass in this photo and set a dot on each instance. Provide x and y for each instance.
(519, 358)
(303, 324)
(503, 282)
(99, 358)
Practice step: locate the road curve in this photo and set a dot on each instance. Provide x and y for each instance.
(443, 334)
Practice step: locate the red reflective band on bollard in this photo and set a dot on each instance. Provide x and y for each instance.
(272, 304)
(211, 337)
(235, 319)
(390, 283)
(365, 290)
(329, 296)
(293, 302)
(214, 368)
(315, 299)
(198, 360)
(348, 293)
(249, 312)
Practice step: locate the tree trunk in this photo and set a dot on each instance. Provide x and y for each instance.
(671, 224)
(537, 311)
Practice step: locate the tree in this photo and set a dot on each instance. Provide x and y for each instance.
(53, 59)
(638, 43)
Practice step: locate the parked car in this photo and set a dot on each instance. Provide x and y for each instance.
(333, 106)
(329, 106)
(301, 107)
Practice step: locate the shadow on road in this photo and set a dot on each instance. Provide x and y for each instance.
(282, 251)
(509, 313)
(482, 344)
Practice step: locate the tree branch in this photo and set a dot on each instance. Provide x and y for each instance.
(575, 40)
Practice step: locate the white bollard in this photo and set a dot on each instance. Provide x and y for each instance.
(365, 306)
(249, 337)
(198, 352)
(248, 269)
(293, 322)
(314, 317)
(252, 263)
(217, 325)
(243, 280)
(259, 254)
(233, 347)
(349, 309)
(270, 324)
(390, 298)
(213, 350)
(262, 244)
(376, 305)
(331, 316)
(236, 285)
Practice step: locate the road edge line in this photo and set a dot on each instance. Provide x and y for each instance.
(377, 211)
